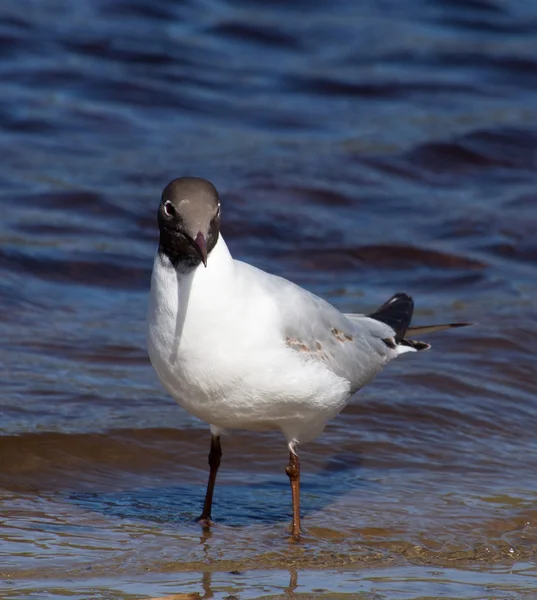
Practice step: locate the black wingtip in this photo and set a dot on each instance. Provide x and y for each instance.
(426, 329)
(396, 313)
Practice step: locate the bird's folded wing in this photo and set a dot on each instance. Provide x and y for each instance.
(351, 348)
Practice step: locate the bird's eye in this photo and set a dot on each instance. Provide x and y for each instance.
(169, 209)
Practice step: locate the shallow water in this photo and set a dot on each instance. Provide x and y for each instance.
(360, 149)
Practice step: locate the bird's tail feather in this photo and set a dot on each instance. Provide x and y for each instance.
(397, 313)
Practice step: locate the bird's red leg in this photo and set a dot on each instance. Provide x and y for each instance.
(214, 462)
(293, 472)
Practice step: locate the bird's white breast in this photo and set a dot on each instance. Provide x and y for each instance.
(215, 340)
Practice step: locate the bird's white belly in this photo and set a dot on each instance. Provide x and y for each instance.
(252, 398)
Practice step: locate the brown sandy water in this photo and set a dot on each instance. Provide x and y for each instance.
(361, 149)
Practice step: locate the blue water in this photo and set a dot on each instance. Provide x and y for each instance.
(360, 148)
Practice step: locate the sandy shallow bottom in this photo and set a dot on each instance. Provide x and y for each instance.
(379, 522)
(390, 583)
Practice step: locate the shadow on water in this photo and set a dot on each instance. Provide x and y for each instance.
(264, 500)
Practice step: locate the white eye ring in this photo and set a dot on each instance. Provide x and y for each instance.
(169, 209)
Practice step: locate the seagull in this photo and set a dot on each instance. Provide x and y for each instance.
(240, 348)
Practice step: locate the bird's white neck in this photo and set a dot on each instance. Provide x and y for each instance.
(177, 295)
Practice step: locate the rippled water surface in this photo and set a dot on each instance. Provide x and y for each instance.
(361, 148)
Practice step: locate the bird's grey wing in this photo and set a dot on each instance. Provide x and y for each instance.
(354, 349)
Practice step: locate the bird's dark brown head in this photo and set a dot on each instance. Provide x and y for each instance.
(189, 221)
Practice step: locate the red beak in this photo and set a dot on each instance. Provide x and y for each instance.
(201, 247)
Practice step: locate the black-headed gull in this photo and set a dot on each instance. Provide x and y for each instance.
(240, 348)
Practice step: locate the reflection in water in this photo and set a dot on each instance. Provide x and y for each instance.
(293, 581)
(206, 583)
(209, 592)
